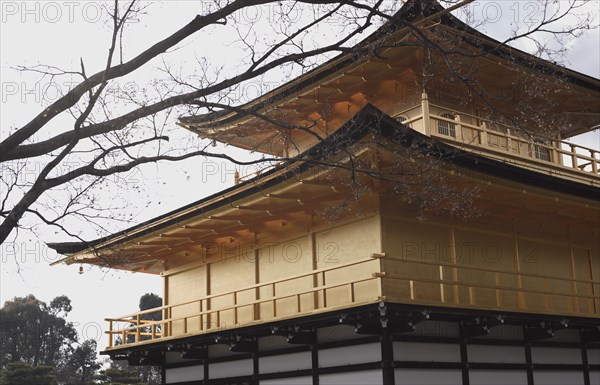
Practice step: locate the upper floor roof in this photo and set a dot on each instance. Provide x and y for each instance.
(535, 96)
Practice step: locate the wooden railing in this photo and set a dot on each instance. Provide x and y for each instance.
(496, 138)
(488, 136)
(209, 319)
(437, 283)
(531, 292)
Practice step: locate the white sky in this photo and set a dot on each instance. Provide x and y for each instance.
(62, 32)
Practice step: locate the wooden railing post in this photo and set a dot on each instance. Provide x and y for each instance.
(573, 157)
(556, 157)
(170, 324)
(110, 334)
(274, 300)
(425, 110)
(165, 325)
(483, 140)
(459, 129)
(235, 309)
(138, 329)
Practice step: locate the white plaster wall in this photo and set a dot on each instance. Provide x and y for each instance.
(188, 373)
(285, 362)
(428, 377)
(553, 377)
(230, 369)
(496, 354)
(367, 377)
(498, 377)
(426, 352)
(349, 355)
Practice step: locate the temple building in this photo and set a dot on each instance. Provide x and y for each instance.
(429, 223)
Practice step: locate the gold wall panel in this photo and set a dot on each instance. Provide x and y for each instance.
(486, 267)
(233, 269)
(346, 243)
(287, 258)
(183, 287)
(414, 243)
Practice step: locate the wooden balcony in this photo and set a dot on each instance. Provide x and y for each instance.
(377, 278)
(495, 140)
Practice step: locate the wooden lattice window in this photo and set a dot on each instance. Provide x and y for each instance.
(446, 128)
(542, 152)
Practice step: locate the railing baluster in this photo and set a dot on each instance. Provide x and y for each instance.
(201, 317)
(324, 292)
(169, 315)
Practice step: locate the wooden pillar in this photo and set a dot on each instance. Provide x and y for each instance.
(315, 265)
(528, 362)
(521, 303)
(387, 357)
(454, 271)
(314, 350)
(573, 276)
(584, 359)
(464, 358)
(256, 279)
(594, 308)
(165, 326)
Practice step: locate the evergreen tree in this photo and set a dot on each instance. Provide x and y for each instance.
(34, 332)
(21, 373)
(79, 365)
(119, 377)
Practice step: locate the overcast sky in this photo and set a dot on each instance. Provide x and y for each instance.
(62, 33)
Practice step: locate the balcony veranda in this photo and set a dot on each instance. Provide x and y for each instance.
(358, 283)
(495, 140)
